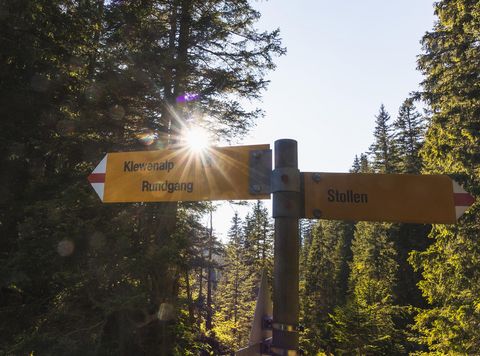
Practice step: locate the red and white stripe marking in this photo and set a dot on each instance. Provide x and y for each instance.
(97, 178)
(461, 199)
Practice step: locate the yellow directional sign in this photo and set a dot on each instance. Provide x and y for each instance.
(218, 173)
(384, 197)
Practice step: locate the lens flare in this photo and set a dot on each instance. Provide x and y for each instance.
(146, 138)
(196, 139)
(65, 248)
(188, 97)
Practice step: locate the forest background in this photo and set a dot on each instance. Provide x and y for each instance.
(82, 78)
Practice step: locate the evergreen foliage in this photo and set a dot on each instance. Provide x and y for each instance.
(382, 149)
(450, 266)
(366, 323)
(324, 283)
(248, 252)
(306, 228)
(355, 165)
(365, 165)
(408, 138)
(82, 78)
(361, 164)
(350, 325)
(235, 304)
(259, 239)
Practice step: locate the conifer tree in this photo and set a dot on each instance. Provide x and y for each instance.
(450, 266)
(365, 166)
(361, 164)
(365, 324)
(319, 290)
(80, 79)
(259, 239)
(45, 147)
(356, 165)
(234, 303)
(324, 283)
(408, 138)
(248, 253)
(306, 228)
(382, 150)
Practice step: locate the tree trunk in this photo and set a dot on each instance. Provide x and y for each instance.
(208, 323)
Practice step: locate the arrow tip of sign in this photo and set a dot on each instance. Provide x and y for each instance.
(97, 178)
(102, 166)
(461, 196)
(462, 199)
(99, 189)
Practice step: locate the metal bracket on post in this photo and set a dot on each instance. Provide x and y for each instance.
(267, 322)
(260, 168)
(286, 180)
(261, 348)
(287, 327)
(277, 351)
(265, 346)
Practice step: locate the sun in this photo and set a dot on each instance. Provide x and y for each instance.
(196, 139)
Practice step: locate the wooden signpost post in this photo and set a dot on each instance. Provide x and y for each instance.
(245, 172)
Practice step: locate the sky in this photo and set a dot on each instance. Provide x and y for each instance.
(344, 59)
